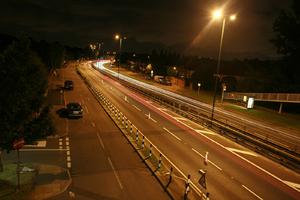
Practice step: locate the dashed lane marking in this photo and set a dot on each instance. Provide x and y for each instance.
(153, 120)
(241, 157)
(252, 192)
(197, 152)
(93, 124)
(100, 140)
(172, 134)
(241, 151)
(69, 165)
(115, 172)
(136, 107)
(86, 109)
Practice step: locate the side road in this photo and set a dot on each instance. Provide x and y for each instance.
(103, 165)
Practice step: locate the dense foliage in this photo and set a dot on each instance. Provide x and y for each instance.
(287, 41)
(23, 84)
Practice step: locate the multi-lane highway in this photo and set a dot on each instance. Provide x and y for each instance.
(285, 138)
(233, 172)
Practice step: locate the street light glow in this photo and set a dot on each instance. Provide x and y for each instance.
(117, 37)
(217, 14)
(232, 17)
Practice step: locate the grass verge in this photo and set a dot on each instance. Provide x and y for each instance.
(8, 182)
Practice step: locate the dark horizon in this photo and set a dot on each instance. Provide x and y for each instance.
(179, 26)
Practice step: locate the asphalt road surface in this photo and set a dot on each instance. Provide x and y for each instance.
(103, 165)
(278, 135)
(233, 172)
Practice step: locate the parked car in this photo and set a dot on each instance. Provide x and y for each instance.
(68, 85)
(74, 110)
(165, 81)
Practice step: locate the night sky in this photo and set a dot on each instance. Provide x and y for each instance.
(183, 25)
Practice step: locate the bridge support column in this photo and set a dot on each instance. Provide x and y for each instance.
(280, 108)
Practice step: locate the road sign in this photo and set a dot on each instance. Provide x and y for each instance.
(19, 143)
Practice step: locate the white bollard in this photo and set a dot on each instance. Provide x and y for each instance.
(206, 158)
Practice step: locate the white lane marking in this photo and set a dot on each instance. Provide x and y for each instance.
(249, 162)
(60, 143)
(252, 192)
(60, 149)
(136, 107)
(69, 165)
(177, 168)
(69, 158)
(153, 120)
(68, 152)
(180, 118)
(93, 124)
(100, 140)
(67, 127)
(204, 131)
(163, 109)
(241, 151)
(41, 143)
(87, 110)
(149, 117)
(115, 172)
(67, 143)
(296, 186)
(67, 138)
(148, 101)
(219, 168)
(172, 134)
(60, 139)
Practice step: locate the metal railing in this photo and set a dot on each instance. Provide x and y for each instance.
(274, 147)
(274, 97)
(174, 181)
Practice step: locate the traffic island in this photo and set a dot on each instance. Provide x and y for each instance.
(8, 181)
(37, 181)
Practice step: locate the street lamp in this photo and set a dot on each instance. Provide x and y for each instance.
(223, 90)
(199, 85)
(217, 15)
(120, 38)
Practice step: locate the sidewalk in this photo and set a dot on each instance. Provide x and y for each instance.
(50, 181)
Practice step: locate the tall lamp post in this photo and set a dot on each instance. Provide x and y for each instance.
(199, 85)
(217, 15)
(120, 38)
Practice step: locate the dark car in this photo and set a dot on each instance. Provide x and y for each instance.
(68, 85)
(74, 110)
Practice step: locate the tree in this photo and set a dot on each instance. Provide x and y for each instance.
(52, 54)
(287, 40)
(23, 81)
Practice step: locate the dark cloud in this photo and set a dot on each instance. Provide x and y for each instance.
(173, 23)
